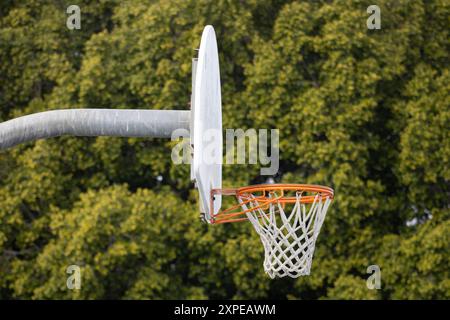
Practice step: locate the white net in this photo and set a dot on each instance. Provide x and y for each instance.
(289, 238)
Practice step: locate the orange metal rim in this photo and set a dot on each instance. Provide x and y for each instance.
(267, 188)
(248, 194)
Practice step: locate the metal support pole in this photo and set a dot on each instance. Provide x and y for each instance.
(93, 122)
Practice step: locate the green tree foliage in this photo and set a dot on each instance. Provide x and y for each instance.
(364, 111)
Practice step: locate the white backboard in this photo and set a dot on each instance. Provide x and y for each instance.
(206, 129)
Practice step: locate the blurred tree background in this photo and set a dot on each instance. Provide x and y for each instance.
(366, 112)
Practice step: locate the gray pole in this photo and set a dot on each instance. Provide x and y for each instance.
(93, 122)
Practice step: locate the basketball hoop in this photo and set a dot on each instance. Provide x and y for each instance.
(287, 217)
